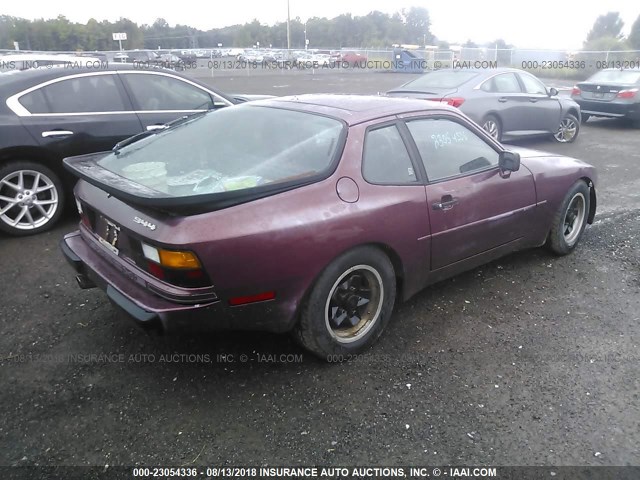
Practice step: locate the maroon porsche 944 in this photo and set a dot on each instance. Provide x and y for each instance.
(312, 214)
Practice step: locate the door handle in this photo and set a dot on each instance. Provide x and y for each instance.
(156, 127)
(533, 99)
(446, 203)
(56, 133)
(502, 99)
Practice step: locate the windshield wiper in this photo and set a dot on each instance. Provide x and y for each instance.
(178, 121)
(128, 141)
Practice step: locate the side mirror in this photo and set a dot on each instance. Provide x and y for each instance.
(509, 161)
(553, 92)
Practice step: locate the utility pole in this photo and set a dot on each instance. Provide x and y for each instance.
(288, 27)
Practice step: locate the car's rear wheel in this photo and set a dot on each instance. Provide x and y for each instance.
(31, 198)
(585, 117)
(568, 129)
(349, 305)
(570, 220)
(491, 124)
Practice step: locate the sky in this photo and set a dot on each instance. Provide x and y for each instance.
(545, 24)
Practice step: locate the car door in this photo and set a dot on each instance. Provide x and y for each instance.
(160, 97)
(500, 95)
(78, 114)
(544, 111)
(473, 206)
(393, 197)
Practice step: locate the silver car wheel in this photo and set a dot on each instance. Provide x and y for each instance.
(566, 131)
(354, 303)
(574, 218)
(492, 128)
(28, 199)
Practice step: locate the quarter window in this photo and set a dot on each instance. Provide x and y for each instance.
(95, 93)
(504, 83)
(448, 148)
(160, 92)
(533, 85)
(385, 158)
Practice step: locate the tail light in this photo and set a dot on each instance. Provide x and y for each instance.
(576, 92)
(452, 101)
(177, 267)
(85, 217)
(627, 93)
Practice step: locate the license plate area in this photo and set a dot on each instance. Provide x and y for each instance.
(108, 234)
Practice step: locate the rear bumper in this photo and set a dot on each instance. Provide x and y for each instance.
(610, 109)
(150, 311)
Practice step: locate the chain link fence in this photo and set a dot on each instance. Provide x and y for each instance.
(559, 64)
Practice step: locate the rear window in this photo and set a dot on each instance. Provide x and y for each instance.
(616, 76)
(235, 148)
(441, 79)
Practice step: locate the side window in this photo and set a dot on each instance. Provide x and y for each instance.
(95, 93)
(448, 148)
(503, 83)
(533, 85)
(160, 92)
(385, 158)
(35, 102)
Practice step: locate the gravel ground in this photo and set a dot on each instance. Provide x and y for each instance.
(530, 360)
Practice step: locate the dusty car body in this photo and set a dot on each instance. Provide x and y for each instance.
(363, 214)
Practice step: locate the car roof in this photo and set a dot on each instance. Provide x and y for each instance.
(352, 109)
(17, 80)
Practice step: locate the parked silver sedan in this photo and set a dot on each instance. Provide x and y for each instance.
(506, 102)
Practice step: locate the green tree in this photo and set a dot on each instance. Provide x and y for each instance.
(606, 44)
(634, 36)
(609, 25)
(418, 25)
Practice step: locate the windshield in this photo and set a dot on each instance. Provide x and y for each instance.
(231, 149)
(616, 76)
(440, 79)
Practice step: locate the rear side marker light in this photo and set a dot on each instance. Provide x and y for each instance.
(260, 297)
(576, 92)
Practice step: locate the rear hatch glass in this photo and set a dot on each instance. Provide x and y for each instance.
(616, 77)
(227, 156)
(438, 81)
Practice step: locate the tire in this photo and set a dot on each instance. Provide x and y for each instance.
(491, 124)
(585, 117)
(23, 212)
(325, 328)
(570, 220)
(567, 130)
